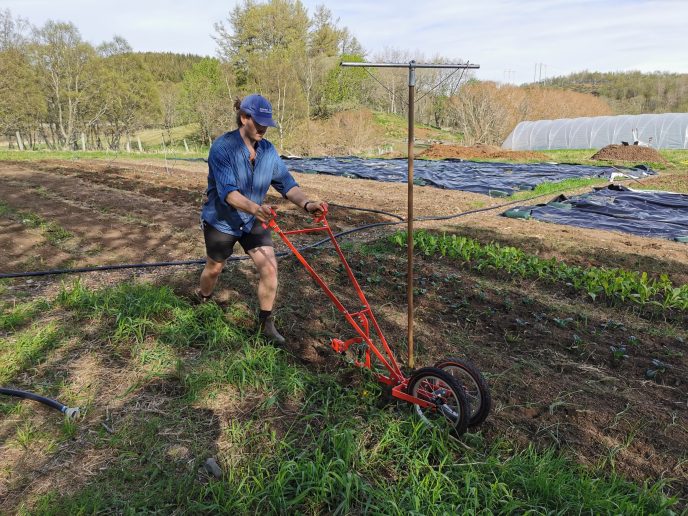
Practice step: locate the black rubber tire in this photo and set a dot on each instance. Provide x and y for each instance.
(474, 385)
(460, 409)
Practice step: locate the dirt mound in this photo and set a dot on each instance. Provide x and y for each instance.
(616, 152)
(439, 151)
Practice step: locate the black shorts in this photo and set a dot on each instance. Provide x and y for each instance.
(219, 246)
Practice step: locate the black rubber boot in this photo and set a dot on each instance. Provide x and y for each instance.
(267, 328)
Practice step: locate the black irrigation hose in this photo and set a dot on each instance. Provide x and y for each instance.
(67, 411)
(96, 268)
(370, 210)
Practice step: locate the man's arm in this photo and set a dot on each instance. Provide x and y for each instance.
(240, 202)
(298, 197)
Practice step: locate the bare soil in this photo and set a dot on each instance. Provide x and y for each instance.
(440, 151)
(545, 350)
(634, 153)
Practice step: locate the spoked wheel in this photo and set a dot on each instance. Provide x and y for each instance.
(474, 385)
(450, 408)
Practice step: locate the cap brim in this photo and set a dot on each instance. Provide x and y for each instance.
(265, 120)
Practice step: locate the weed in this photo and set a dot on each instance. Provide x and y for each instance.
(26, 435)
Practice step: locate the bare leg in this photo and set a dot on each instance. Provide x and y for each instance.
(266, 264)
(209, 276)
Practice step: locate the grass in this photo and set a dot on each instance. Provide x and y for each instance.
(560, 186)
(42, 154)
(152, 138)
(396, 127)
(290, 440)
(14, 316)
(26, 349)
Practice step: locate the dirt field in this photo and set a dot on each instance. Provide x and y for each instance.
(544, 350)
(438, 151)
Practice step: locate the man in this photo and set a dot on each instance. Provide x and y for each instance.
(242, 165)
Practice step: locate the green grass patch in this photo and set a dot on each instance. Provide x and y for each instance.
(152, 138)
(557, 187)
(15, 316)
(343, 456)
(396, 126)
(295, 441)
(615, 285)
(253, 366)
(38, 155)
(27, 349)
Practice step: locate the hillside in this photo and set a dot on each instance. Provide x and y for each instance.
(168, 66)
(631, 92)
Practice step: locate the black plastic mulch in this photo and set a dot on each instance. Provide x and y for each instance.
(494, 179)
(616, 208)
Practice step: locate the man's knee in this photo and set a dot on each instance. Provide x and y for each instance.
(213, 268)
(268, 273)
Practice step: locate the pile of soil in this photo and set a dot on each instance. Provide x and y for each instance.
(439, 151)
(616, 152)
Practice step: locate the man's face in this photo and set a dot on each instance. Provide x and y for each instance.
(253, 130)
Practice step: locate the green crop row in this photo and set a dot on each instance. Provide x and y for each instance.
(616, 285)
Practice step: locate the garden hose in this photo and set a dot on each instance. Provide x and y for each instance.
(69, 412)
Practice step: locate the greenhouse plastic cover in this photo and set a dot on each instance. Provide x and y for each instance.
(662, 131)
(617, 208)
(494, 179)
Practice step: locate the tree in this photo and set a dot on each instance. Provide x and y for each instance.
(13, 31)
(205, 98)
(344, 87)
(169, 104)
(22, 103)
(325, 37)
(117, 46)
(131, 96)
(63, 60)
(256, 31)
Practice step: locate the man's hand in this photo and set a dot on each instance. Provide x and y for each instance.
(263, 212)
(316, 208)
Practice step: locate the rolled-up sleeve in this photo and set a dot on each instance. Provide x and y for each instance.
(282, 180)
(220, 163)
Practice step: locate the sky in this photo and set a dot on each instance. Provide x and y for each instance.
(514, 41)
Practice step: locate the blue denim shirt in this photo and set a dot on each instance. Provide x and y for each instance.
(229, 170)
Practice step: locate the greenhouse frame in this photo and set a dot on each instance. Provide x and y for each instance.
(660, 131)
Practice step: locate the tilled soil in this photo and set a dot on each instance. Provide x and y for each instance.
(635, 153)
(545, 350)
(440, 151)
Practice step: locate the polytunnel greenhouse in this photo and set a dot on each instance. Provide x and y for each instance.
(664, 131)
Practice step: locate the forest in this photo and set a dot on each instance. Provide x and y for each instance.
(58, 91)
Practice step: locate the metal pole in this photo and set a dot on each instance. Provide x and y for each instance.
(409, 269)
(412, 83)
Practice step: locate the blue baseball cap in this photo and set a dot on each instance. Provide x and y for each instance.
(259, 108)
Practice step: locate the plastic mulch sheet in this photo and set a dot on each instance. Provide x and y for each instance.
(494, 179)
(617, 208)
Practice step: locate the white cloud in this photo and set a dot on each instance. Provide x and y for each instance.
(500, 35)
